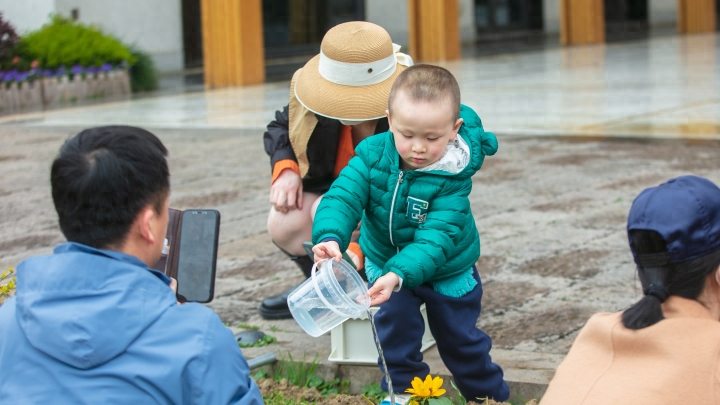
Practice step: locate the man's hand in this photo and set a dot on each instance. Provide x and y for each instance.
(327, 250)
(286, 192)
(383, 287)
(173, 286)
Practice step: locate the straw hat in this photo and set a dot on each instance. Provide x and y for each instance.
(351, 77)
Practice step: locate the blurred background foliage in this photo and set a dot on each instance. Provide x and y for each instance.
(63, 46)
(63, 42)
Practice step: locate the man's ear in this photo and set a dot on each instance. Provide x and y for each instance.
(387, 114)
(144, 224)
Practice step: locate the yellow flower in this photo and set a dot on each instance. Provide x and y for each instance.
(426, 389)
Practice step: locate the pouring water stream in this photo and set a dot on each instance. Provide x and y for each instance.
(382, 357)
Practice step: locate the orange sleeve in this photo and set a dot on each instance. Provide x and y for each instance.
(355, 248)
(345, 150)
(281, 165)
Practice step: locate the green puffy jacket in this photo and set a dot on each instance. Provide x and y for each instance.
(417, 224)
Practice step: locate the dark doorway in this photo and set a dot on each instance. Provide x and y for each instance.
(504, 16)
(192, 33)
(507, 26)
(626, 20)
(293, 30)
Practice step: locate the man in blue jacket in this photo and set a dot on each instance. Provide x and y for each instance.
(92, 323)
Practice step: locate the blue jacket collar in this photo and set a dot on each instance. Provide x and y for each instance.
(122, 257)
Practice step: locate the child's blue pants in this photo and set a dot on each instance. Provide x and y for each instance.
(462, 346)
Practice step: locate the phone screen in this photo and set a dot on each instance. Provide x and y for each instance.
(198, 254)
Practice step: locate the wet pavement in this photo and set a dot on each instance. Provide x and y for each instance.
(663, 86)
(550, 208)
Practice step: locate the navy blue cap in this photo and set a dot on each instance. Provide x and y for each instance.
(685, 211)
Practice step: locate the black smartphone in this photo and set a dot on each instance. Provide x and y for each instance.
(197, 255)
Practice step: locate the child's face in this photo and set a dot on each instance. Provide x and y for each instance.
(421, 130)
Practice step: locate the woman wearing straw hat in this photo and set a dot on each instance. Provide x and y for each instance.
(336, 100)
(665, 349)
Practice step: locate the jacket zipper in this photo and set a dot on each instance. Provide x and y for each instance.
(392, 206)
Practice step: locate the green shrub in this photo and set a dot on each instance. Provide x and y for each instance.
(63, 42)
(6, 289)
(143, 76)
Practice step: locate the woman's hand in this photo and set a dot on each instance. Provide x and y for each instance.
(383, 288)
(327, 250)
(286, 192)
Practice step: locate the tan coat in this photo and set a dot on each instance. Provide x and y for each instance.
(676, 361)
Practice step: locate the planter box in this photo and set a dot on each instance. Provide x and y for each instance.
(50, 91)
(353, 342)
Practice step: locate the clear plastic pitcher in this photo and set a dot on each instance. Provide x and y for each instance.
(333, 293)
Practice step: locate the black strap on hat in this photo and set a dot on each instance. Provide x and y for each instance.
(658, 291)
(651, 260)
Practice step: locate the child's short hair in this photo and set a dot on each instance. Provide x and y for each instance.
(427, 83)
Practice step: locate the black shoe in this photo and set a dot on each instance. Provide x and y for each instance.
(276, 307)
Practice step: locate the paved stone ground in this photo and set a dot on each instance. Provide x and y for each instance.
(551, 213)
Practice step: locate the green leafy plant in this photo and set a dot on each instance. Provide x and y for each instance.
(248, 326)
(64, 42)
(334, 386)
(7, 289)
(266, 340)
(260, 374)
(143, 76)
(277, 398)
(296, 372)
(373, 393)
(461, 398)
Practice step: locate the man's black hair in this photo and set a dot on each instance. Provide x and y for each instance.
(102, 178)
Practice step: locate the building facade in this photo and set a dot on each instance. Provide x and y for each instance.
(171, 31)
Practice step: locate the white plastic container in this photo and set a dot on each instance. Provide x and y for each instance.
(334, 293)
(352, 342)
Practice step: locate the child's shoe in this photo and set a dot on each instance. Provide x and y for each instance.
(400, 399)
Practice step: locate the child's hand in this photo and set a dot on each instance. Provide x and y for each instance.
(327, 250)
(383, 287)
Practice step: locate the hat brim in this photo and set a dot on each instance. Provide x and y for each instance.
(352, 103)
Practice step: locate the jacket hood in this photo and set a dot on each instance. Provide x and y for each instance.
(481, 143)
(84, 306)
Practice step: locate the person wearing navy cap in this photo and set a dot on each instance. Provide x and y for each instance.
(665, 349)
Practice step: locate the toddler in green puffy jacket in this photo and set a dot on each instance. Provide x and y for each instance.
(410, 188)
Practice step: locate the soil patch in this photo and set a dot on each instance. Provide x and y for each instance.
(580, 264)
(269, 386)
(497, 175)
(686, 156)
(489, 264)
(556, 324)
(8, 158)
(258, 268)
(208, 200)
(606, 220)
(636, 183)
(575, 204)
(573, 159)
(29, 242)
(500, 296)
(41, 140)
